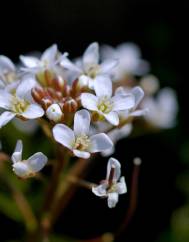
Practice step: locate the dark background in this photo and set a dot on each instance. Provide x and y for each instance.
(159, 28)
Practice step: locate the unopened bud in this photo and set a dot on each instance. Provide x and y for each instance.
(37, 94)
(70, 106)
(54, 113)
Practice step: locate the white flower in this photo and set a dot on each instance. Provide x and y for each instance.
(48, 61)
(103, 103)
(79, 139)
(111, 187)
(129, 60)
(124, 131)
(54, 112)
(19, 104)
(29, 167)
(7, 71)
(162, 109)
(89, 67)
(138, 95)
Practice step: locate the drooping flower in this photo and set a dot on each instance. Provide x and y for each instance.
(29, 167)
(79, 140)
(113, 185)
(104, 103)
(129, 60)
(20, 103)
(88, 68)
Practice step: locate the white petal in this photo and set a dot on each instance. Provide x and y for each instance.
(68, 65)
(100, 190)
(6, 65)
(107, 66)
(120, 91)
(5, 99)
(138, 94)
(123, 102)
(100, 142)
(25, 87)
(49, 54)
(6, 117)
(64, 135)
(81, 154)
(91, 56)
(121, 186)
(33, 111)
(82, 121)
(103, 86)
(29, 61)
(89, 101)
(112, 117)
(113, 163)
(21, 169)
(83, 80)
(112, 199)
(17, 154)
(37, 161)
(108, 152)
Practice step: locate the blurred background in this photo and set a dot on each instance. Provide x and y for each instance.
(158, 27)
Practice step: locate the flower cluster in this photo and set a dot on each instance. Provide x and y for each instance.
(89, 103)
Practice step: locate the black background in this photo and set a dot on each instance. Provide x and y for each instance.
(160, 29)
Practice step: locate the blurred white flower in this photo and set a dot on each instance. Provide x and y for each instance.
(88, 68)
(20, 103)
(79, 139)
(162, 109)
(26, 126)
(125, 130)
(48, 61)
(103, 103)
(27, 168)
(129, 60)
(113, 185)
(7, 71)
(150, 84)
(54, 112)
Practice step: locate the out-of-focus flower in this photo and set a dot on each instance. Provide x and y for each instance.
(162, 109)
(129, 60)
(103, 103)
(150, 84)
(48, 61)
(79, 140)
(27, 168)
(113, 185)
(7, 71)
(54, 113)
(124, 130)
(88, 68)
(19, 104)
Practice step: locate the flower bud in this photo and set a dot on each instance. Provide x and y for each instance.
(70, 106)
(54, 113)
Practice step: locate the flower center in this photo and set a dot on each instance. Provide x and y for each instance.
(19, 105)
(112, 188)
(105, 105)
(82, 142)
(93, 71)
